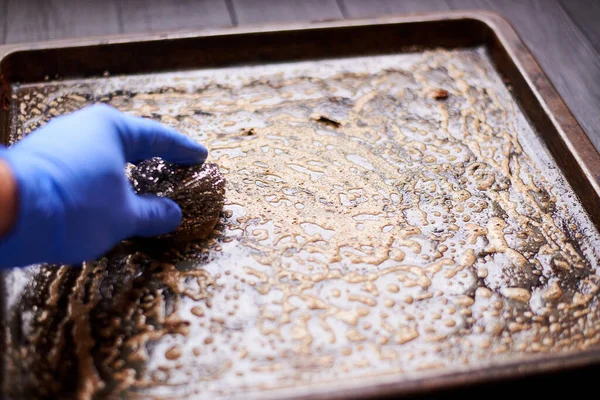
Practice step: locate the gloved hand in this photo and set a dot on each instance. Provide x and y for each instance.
(74, 200)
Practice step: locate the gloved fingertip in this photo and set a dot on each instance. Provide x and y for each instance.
(156, 215)
(196, 153)
(172, 215)
(143, 138)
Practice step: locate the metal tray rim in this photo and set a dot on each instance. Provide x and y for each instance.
(425, 381)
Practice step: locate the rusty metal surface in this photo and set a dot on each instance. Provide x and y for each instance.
(395, 222)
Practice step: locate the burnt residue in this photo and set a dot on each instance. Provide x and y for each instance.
(439, 94)
(85, 331)
(327, 121)
(248, 131)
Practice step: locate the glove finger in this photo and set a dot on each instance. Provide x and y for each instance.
(154, 215)
(144, 138)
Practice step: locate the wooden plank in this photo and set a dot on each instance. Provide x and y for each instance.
(173, 15)
(361, 8)
(562, 50)
(3, 9)
(55, 19)
(257, 11)
(586, 15)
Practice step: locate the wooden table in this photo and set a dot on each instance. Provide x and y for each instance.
(564, 36)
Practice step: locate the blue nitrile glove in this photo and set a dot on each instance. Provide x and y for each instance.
(75, 201)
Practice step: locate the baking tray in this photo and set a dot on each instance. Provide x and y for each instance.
(367, 89)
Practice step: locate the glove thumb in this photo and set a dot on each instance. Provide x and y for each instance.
(155, 215)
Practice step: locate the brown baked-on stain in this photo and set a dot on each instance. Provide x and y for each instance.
(326, 120)
(419, 235)
(439, 94)
(93, 324)
(248, 132)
